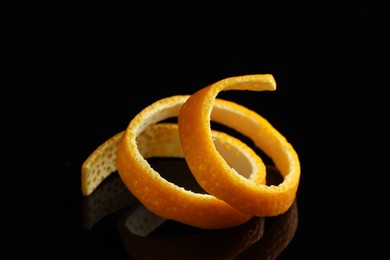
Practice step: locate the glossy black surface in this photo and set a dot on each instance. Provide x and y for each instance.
(92, 67)
(147, 236)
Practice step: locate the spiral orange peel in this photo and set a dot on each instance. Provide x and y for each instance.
(209, 167)
(230, 172)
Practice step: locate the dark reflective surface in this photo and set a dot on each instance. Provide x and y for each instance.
(93, 67)
(147, 236)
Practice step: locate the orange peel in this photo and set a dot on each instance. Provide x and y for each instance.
(210, 168)
(99, 164)
(230, 172)
(164, 198)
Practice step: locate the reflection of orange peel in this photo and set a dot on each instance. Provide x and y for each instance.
(277, 237)
(207, 164)
(165, 198)
(136, 224)
(109, 197)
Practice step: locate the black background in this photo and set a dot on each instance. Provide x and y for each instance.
(95, 65)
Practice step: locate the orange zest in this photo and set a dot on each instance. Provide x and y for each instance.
(209, 167)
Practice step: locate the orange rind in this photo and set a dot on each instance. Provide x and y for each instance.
(165, 198)
(231, 174)
(99, 164)
(210, 168)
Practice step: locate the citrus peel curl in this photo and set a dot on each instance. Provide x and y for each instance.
(231, 173)
(209, 167)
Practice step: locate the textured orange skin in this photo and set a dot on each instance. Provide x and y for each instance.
(208, 166)
(99, 164)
